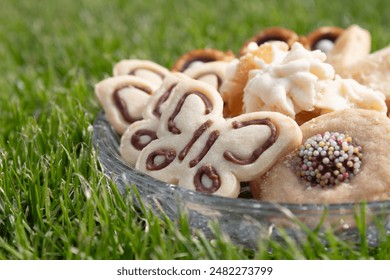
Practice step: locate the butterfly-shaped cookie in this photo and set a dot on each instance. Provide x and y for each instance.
(124, 96)
(198, 149)
(212, 73)
(139, 134)
(149, 70)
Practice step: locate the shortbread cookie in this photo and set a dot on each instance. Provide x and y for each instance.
(199, 56)
(145, 69)
(212, 73)
(343, 159)
(302, 83)
(123, 99)
(350, 47)
(124, 96)
(140, 133)
(237, 73)
(200, 150)
(268, 35)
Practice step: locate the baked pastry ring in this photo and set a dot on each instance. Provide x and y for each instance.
(313, 41)
(267, 35)
(192, 57)
(367, 129)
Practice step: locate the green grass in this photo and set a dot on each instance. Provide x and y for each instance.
(55, 203)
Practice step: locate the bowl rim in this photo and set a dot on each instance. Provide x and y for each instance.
(101, 125)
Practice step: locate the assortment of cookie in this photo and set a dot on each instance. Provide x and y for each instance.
(303, 119)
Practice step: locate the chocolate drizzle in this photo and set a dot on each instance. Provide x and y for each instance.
(229, 156)
(197, 133)
(171, 121)
(209, 143)
(168, 154)
(209, 171)
(136, 138)
(121, 104)
(161, 100)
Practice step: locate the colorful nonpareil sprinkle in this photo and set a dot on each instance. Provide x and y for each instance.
(327, 159)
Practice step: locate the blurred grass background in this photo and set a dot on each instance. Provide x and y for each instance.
(54, 201)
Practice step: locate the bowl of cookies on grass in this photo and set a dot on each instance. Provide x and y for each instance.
(291, 132)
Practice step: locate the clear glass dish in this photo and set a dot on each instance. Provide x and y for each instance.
(243, 219)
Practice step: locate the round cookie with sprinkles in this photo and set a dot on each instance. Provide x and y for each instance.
(343, 158)
(327, 159)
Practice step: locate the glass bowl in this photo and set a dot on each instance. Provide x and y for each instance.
(243, 220)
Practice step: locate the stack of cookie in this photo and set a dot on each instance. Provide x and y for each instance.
(290, 114)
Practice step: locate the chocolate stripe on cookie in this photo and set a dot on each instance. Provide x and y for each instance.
(212, 179)
(160, 159)
(209, 143)
(161, 100)
(171, 121)
(197, 133)
(138, 138)
(121, 104)
(256, 153)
